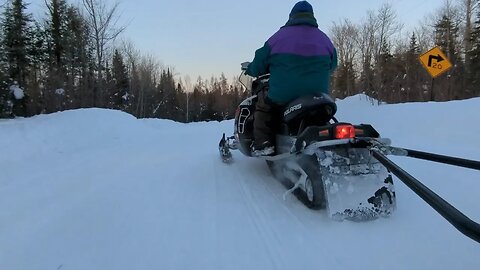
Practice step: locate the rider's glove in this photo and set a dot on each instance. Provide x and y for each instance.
(245, 65)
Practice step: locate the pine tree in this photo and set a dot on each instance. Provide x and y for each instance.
(414, 49)
(198, 100)
(58, 31)
(55, 39)
(69, 56)
(474, 74)
(79, 58)
(413, 79)
(119, 86)
(446, 36)
(173, 104)
(3, 74)
(383, 72)
(16, 45)
(16, 40)
(344, 83)
(39, 59)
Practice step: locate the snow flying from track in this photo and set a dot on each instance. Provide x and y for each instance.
(99, 189)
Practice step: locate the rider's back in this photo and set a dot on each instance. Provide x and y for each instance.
(299, 57)
(301, 60)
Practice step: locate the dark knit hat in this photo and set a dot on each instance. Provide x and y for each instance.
(302, 14)
(301, 7)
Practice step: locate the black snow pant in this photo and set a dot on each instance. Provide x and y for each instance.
(264, 123)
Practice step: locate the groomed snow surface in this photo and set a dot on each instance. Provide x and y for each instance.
(99, 189)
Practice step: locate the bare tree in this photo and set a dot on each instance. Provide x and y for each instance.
(131, 54)
(388, 26)
(132, 59)
(345, 36)
(366, 43)
(103, 22)
(149, 69)
(453, 11)
(425, 34)
(468, 7)
(188, 86)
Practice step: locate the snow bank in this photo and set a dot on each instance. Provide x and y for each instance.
(437, 126)
(63, 132)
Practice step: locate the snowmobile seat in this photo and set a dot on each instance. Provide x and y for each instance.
(322, 107)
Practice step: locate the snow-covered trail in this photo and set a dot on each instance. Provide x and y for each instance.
(95, 189)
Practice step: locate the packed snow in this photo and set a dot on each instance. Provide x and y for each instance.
(99, 189)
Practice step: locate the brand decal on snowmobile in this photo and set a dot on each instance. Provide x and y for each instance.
(292, 109)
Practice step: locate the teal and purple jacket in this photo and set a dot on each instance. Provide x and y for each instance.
(300, 59)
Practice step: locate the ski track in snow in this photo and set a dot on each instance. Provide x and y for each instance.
(97, 189)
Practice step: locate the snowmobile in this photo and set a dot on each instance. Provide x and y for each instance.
(324, 162)
(334, 165)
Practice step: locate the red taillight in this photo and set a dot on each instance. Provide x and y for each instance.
(344, 132)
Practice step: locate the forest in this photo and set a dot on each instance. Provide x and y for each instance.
(72, 58)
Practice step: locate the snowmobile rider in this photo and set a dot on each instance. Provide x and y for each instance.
(300, 59)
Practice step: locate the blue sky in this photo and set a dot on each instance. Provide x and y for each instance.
(210, 37)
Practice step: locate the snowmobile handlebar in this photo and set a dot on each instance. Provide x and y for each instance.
(244, 65)
(251, 83)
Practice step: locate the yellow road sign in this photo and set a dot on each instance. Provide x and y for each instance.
(435, 62)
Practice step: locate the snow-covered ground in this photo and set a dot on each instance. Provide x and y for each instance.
(99, 189)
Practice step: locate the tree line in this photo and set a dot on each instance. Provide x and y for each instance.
(72, 59)
(377, 58)
(68, 60)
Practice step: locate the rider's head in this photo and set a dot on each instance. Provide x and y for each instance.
(301, 9)
(302, 13)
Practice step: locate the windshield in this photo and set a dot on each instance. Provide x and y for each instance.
(246, 80)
